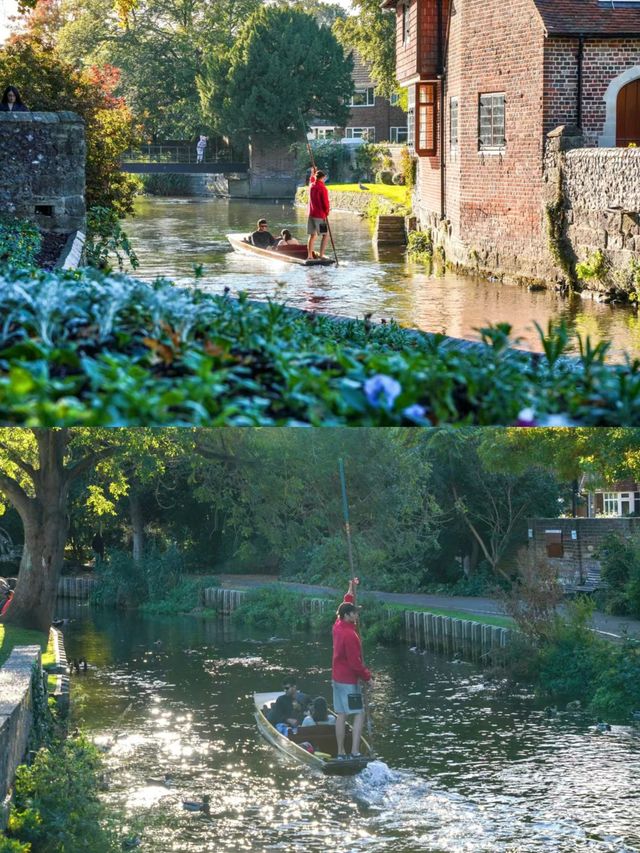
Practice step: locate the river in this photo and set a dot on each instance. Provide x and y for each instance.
(463, 765)
(171, 236)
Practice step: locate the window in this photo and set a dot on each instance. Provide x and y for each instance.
(411, 126)
(366, 133)
(610, 503)
(453, 122)
(425, 119)
(323, 132)
(406, 23)
(363, 98)
(395, 99)
(397, 134)
(553, 542)
(491, 122)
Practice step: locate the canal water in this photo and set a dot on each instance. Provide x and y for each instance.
(171, 236)
(463, 765)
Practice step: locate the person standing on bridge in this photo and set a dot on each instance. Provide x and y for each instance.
(200, 147)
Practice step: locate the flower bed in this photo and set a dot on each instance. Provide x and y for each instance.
(85, 348)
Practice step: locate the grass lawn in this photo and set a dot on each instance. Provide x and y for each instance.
(11, 637)
(390, 191)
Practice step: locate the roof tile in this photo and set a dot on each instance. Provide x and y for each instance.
(564, 17)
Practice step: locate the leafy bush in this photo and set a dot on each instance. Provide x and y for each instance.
(617, 688)
(85, 348)
(593, 268)
(156, 579)
(420, 245)
(271, 607)
(398, 179)
(56, 807)
(620, 562)
(369, 160)
(166, 185)
(105, 238)
(408, 168)
(384, 176)
(8, 845)
(20, 242)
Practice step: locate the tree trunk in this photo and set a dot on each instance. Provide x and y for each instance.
(45, 521)
(137, 526)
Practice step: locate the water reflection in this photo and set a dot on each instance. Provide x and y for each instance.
(463, 766)
(171, 236)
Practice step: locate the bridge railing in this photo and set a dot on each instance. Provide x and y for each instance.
(186, 154)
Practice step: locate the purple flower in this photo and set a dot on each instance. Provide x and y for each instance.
(381, 390)
(416, 412)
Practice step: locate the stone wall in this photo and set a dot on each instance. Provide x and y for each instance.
(599, 192)
(43, 155)
(16, 716)
(580, 542)
(271, 171)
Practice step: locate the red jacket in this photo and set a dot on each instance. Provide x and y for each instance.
(347, 665)
(318, 200)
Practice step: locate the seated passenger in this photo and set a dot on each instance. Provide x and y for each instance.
(261, 238)
(283, 710)
(319, 715)
(287, 239)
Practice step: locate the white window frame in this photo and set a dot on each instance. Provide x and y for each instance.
(368, 134)
(322, 132)
(493, 147)
(611, 503)
(393, 136)
(369, 96)
(406, 23)
(453, 141)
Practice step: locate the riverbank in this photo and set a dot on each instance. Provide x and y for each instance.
(615, 627)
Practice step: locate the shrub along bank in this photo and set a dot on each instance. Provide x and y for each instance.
(94, 349)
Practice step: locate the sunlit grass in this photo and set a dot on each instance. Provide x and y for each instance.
(11, 637)
(394, 193)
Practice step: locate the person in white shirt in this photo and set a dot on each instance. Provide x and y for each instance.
(319, 714)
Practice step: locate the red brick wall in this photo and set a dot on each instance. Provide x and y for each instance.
(382, 116)
(602, 62)
(407, 55)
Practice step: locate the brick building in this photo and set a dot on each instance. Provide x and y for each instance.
(572, 545)
(616, 500)
(486, 82)
(373, 118)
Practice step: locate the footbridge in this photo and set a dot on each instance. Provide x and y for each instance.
(172, 159)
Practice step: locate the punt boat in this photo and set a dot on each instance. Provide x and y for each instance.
(296, 254)
(322, 738)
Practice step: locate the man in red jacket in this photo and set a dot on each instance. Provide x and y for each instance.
(318, 212)
(347, 671)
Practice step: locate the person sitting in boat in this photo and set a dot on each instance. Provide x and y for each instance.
(284, 709)
(287, 239)
(261, 238)
(319, 714)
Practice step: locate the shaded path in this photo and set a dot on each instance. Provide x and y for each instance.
(611, 626)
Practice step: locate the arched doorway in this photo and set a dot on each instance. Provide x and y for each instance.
(628, 115)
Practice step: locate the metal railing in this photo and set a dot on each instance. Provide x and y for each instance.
(183, 154)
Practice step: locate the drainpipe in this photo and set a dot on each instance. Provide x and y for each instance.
(579, 90)
(441, 79)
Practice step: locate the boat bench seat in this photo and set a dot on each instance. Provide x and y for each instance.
(323, 738)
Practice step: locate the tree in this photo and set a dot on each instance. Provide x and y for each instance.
(39, 467)
(326, 14)
(281, 66)
(372, 33)
(50, 84)
(159, 53)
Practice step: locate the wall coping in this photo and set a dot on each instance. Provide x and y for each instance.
(62, 117)
(15, 677)
(603, 153)
(71, 254)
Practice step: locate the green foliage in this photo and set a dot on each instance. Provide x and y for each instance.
(156, 579)
(420, 245)
(56, 807)
(105, 239)
(9, 845)
(48, 83)
(282, 66)
(557, 242)
(378, 625)
(270, 607)
(372, 33)
(595, 267)
(166, 185)
(369, 160)
(103, 351)
(384, 176)
(20, 242)
(620, 562)
(408, 165)
(328, 154)
(617, 687)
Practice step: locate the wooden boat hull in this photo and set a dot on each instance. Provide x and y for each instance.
(331, 766)
(296, 254)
